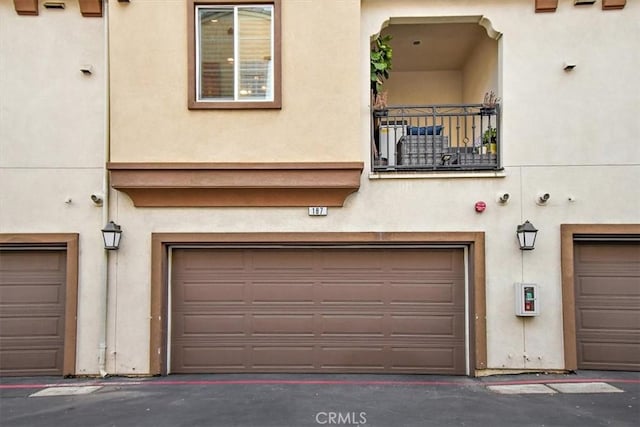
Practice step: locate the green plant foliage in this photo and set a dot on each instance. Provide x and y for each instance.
(490, 136)
(381, 56)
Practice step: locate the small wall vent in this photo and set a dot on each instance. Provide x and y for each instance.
(53, 5)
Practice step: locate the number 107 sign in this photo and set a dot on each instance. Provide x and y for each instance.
(318, 210)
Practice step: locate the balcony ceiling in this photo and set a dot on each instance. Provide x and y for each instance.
(442, 46)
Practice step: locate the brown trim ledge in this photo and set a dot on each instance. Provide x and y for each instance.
(90, 8)
(26, 7)
(236, 184)
(546, 5)
(613, 4)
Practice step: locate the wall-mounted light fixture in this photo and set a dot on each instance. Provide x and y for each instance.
(526, 236)
(111, 234)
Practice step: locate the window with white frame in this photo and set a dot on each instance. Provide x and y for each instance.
(235, 55)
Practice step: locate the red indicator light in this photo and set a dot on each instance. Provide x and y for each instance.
(480, 207)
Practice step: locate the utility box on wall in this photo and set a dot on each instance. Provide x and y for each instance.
(527, 303)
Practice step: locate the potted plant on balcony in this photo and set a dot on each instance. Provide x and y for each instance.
(490, 140)
(380, 57)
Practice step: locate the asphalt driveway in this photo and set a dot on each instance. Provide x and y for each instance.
(588, 398)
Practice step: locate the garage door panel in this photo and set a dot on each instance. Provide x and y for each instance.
(370, 325)
(201, 292)
(607, 300)
(28, 345)
(346, 312)
(200, 358)
(195, 262)
(350, 357)
(298, 291)
(389, 358)
(425, 293)
(283, 357)
(306, 357)
(39, 327)
(440, 359)
(25, 264)
(608, 303)
(616, 287)
(596, 336)
(609, 355)
(622, 255)
(210, 324)
(32, 294)
(32, 311)
(30, 360)
(281, 260)
(342, 292)
(609, 320)
(324, 324)
(283, 324)
(427, 326)
(350, 261)
(432, 261)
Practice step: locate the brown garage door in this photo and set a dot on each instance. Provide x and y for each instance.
(607, 292)
(318, 310)
(32, 306)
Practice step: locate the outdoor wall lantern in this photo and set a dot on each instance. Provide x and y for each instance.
(111, 234)
(526, 236)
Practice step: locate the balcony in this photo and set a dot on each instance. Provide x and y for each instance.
(434, 138)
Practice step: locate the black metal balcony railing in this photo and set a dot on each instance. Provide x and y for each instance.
(436, 138)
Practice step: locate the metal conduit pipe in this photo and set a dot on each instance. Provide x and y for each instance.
(104, 294)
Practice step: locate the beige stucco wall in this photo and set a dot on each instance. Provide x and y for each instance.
(536, 93)
(559, 130)
(434, 87)
(480, 71)
(51, 143)
(150, 121)
(468, 85)
(569, 134)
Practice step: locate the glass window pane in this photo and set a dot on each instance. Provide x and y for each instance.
(216, 53)
(255, 53)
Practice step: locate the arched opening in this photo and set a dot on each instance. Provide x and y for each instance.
(444, 75)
